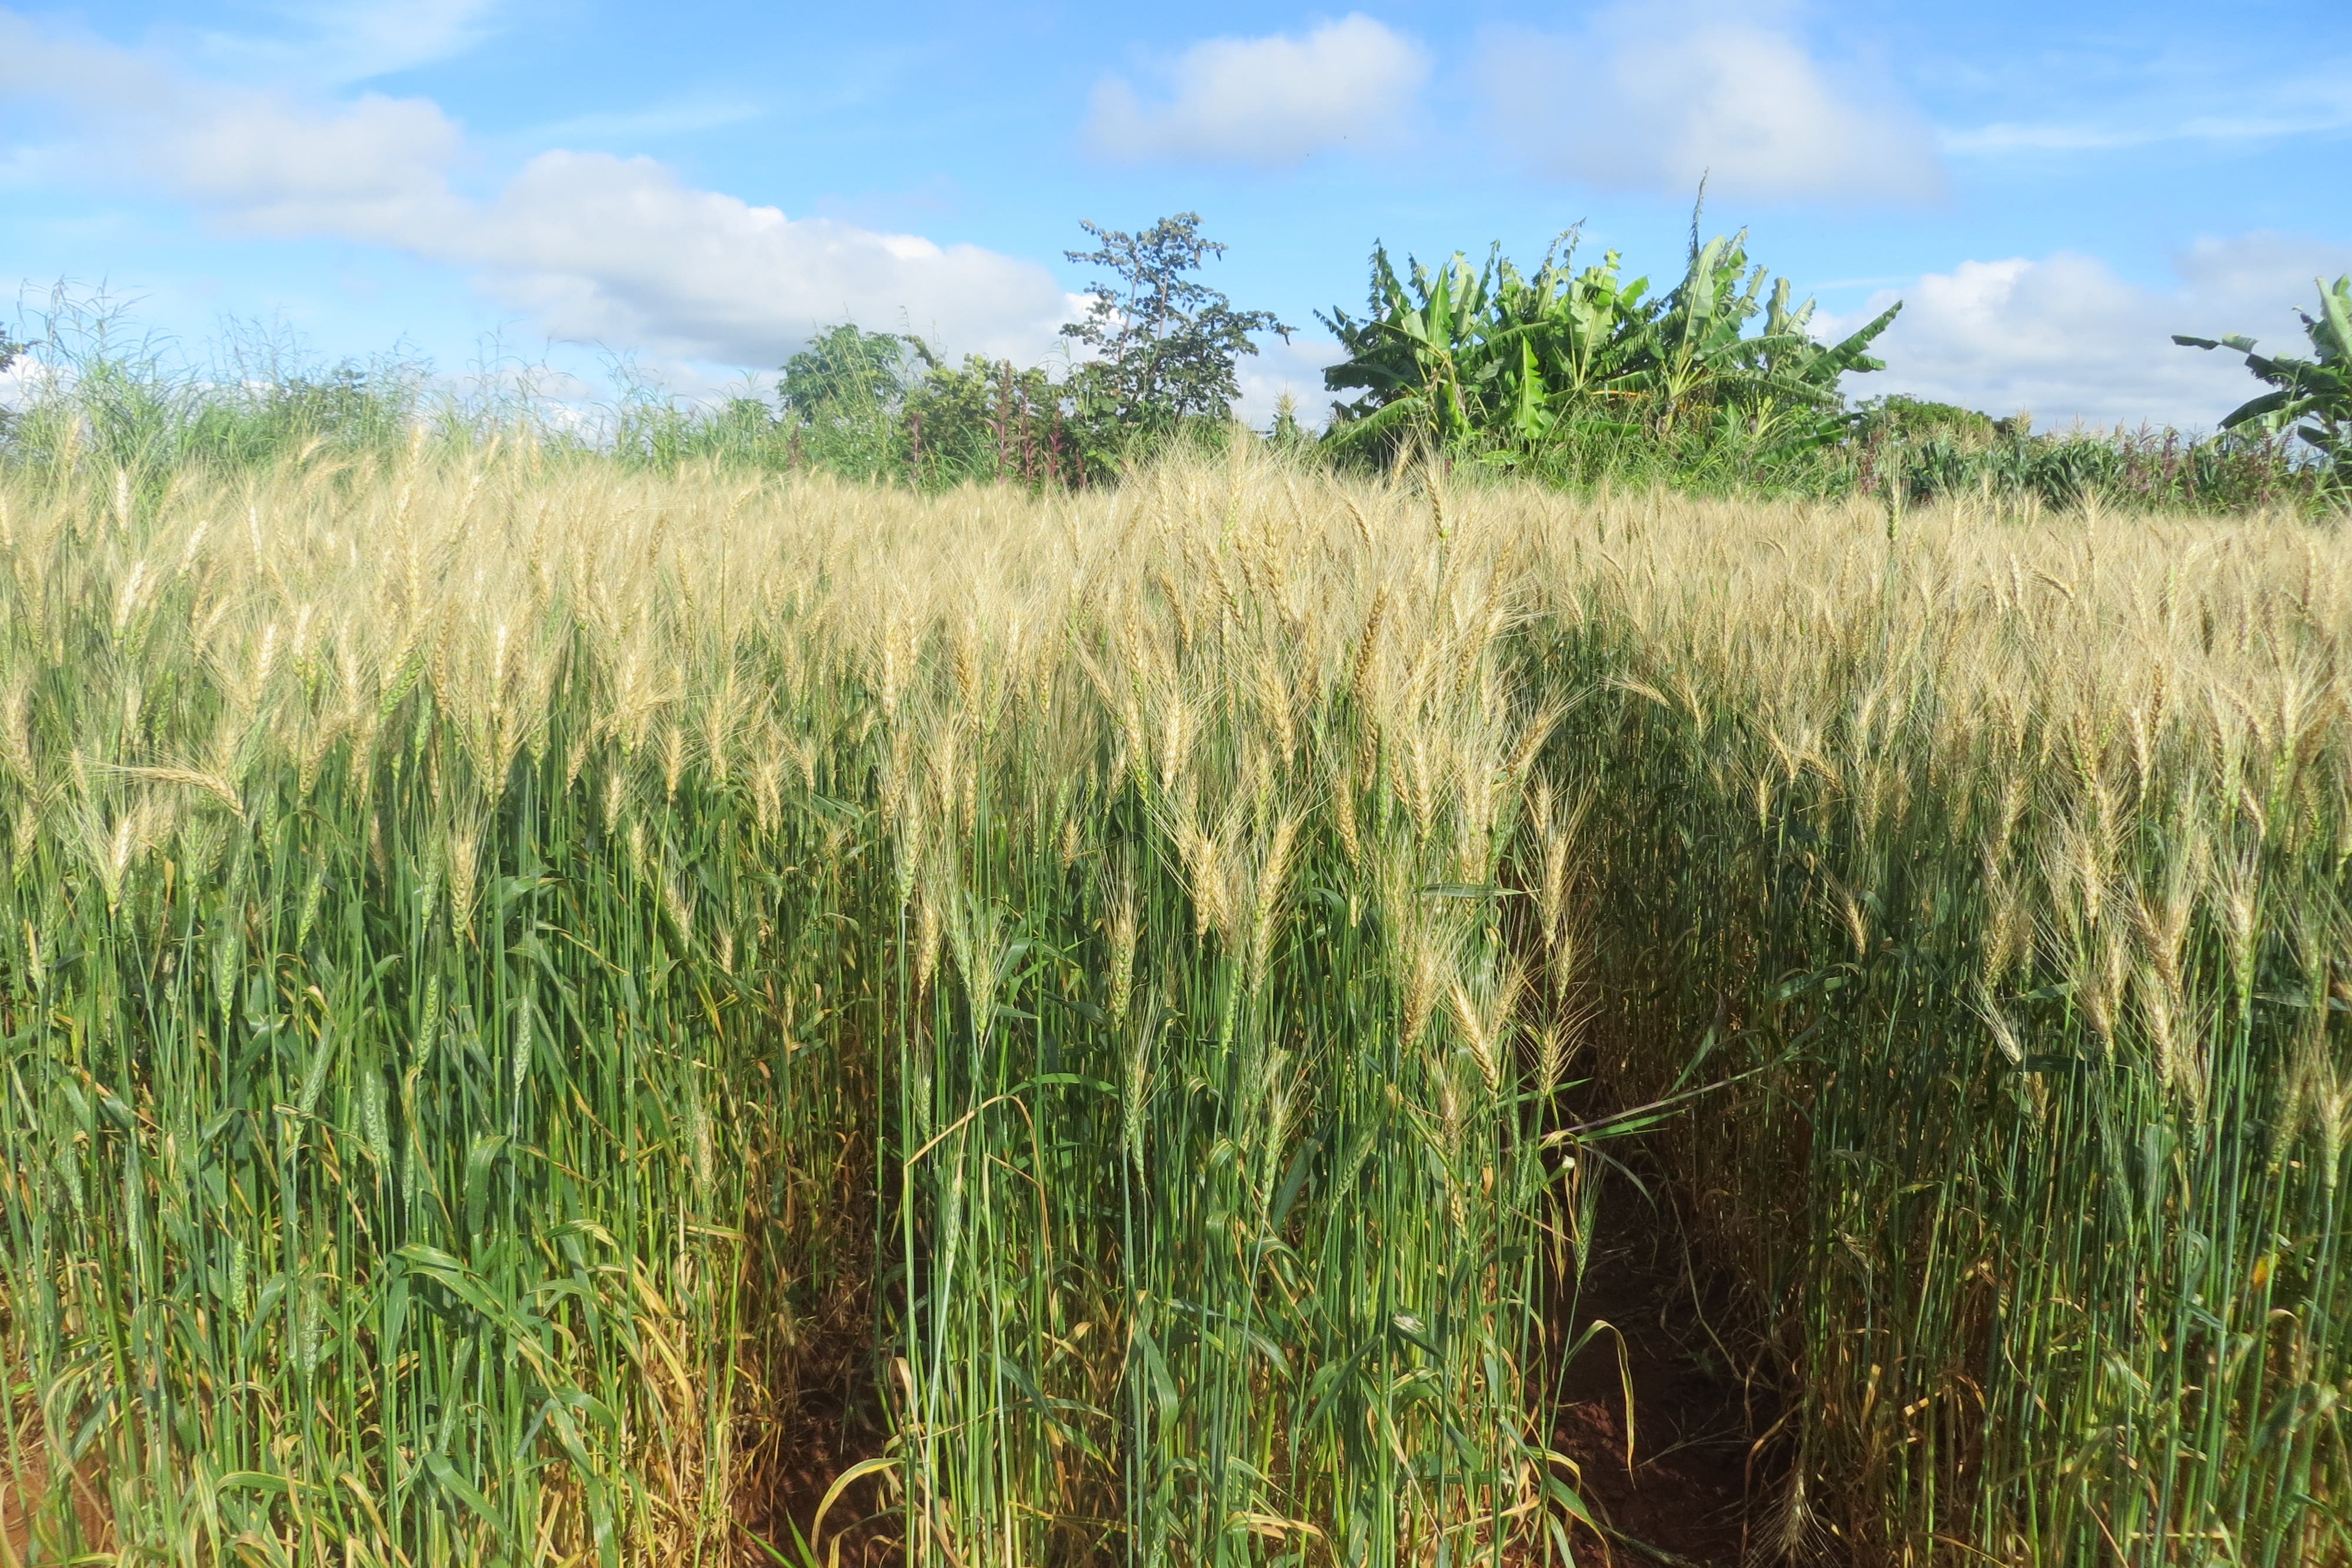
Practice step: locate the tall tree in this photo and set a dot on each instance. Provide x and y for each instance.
(1166, 343)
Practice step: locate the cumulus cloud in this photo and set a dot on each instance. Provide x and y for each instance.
(2067, 339)
(1652, 98)
(610, 249)
(258, 156)
(1295, 369)
(371, 169)
(618, 251)
(1270, 102)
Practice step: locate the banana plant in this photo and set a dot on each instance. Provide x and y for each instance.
(1456, 356)
(2310, 397)
(1700, 324)
(1582, 339)
(1416, 355)
(1781, 380)
(1790, 396)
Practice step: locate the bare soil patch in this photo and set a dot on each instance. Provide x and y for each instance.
(21, 1492)
(1695, 1488)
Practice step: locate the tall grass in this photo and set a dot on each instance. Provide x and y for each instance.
(492, 950)
(524, 979)
(2014, 856)
(383, 1118)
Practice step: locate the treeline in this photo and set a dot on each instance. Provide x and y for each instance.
(1579, 376)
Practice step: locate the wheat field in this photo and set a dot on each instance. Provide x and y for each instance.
(544, 1005)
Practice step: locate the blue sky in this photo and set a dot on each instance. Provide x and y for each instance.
(2052, 189)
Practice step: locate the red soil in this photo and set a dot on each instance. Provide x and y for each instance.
(1695, 1486)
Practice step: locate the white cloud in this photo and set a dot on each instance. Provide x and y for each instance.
(1294, 368)
(345, 41)
(618, 251)
(2067, 339)
(258, 157)
(2215, 108)
(1270, 102)
(1654, 97)
(372, 168)
(673, 117)
(20, 382)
